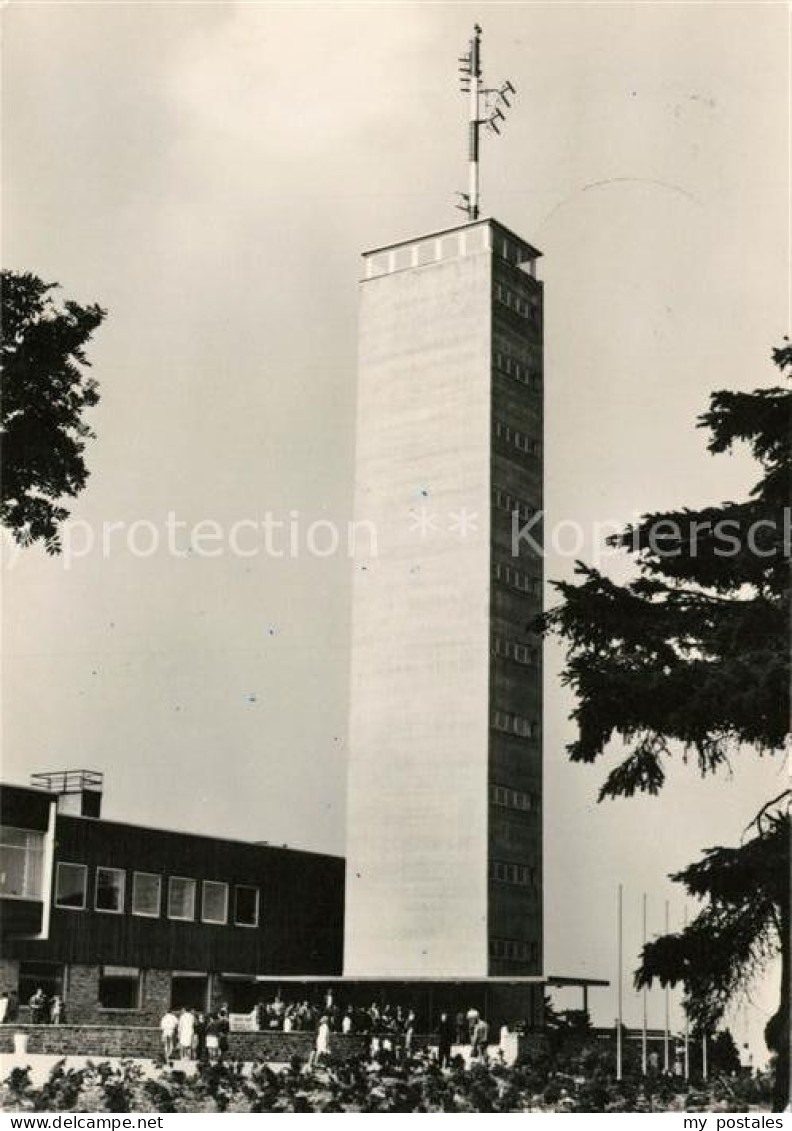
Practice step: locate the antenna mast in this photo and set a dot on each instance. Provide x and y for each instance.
(494, 99)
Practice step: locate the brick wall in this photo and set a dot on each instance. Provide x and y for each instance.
(144, 1041)
(82, 993)
(9, 975)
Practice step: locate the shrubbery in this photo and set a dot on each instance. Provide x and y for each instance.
(580, 1080)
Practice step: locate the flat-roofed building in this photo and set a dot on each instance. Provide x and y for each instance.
(123, 921)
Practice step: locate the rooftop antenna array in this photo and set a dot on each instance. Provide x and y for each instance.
(488, 106)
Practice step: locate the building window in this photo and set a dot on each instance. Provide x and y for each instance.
(146, 894)
(507, 798)
(47, 976)
(503, 501)
(516, 369)
(71, 886)
(119, 987)
(509, 723)
(181, 898)
(189, 990)
(246, 906)
(514, 950)
(519, 875)
(214, 902)
(509, 650)
(21, 857)
(110, 890)
(516, 579)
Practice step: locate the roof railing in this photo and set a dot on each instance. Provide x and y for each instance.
(68, 781)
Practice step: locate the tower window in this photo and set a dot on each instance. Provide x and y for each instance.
(509, 723)
(516, 579)
(510, 650)
(514, 950)
(503, 501)
(516, 369)
(516, 439)
(507, 798)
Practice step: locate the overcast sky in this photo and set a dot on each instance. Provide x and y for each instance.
(210, 174)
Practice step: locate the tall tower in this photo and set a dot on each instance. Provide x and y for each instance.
(444, 852)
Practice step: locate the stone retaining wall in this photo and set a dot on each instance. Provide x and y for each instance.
(140, 1041)
(143, 1041)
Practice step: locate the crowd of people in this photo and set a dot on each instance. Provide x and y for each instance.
(391, 1028)
(44, 1009)
(193, 1035)
(189, 1034)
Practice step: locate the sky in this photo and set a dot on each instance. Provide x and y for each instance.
(210, 173)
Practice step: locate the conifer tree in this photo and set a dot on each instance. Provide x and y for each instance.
(690, 660)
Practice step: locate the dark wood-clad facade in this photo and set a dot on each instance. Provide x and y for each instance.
(296, 927)
(301, 904)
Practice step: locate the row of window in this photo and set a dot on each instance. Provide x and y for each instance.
(509, 723)
(71, 892)
(509, 650)
(516, 579)
(503, 501)
(508, 798)
(517, 439)
(509, 365)
(525, 306)
(517, 949)
(120, 987)
(520, 875)
(21, 863)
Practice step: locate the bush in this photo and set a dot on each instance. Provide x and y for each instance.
(579, 1081)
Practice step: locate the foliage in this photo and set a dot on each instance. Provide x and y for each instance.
(580, 1078)
(693, 656)
(744, 921)
(45, 393)
(694, 652)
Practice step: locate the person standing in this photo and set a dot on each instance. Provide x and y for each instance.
(38, 1007)
(213, 1039)
(57, 1012)
(186, 1031)
(479, 1040)
(321, 1048)
(445, 1035)
(223, 1029)
(168, 1026)
(347, 1021)
(409, 1033)
(199, 1041)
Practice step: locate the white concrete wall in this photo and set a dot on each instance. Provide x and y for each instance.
(417, 795)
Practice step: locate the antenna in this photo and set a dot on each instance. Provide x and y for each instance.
(493, 101)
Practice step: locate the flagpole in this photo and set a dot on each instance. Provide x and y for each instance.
(644, 1056)
(687, 1024)
(666, 1064)
(704, 1057)
(619, 1019)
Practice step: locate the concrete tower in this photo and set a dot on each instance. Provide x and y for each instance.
(444, 853)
